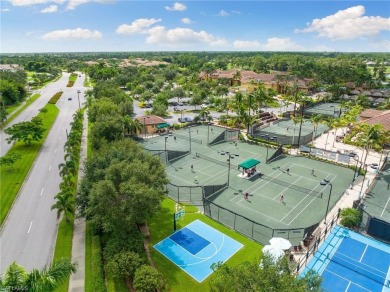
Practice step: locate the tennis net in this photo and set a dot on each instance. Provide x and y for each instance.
(224, 163)
(292, 186)
(188, 138)
(360, 268)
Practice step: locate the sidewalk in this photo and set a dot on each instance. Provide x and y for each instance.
(77, 280)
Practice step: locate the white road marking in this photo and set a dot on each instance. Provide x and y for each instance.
(55, 151)
(42, 191)
(29, 227)
(59, 138)
(49, 167)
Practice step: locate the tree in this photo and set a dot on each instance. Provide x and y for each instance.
(9, 159)
(268, 276)
(26, 131)
(147, 279)
(64, 203)
(124, 264)
(159, 109)
(107, 129)
(350, 217)
(315, 119)
(16, 278)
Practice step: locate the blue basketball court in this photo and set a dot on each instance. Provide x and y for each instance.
(349, 261)
(196, 247)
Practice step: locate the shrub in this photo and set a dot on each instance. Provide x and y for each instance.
(141, 104)
(55, 97)
(70, 84)
(350, 217)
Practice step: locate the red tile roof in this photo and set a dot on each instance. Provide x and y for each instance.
(151, 120)
(383, 119)
(370, 113)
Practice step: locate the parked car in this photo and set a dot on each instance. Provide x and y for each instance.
(148, 105)
(185, 119)
(174, 103)
(69, 98)
(180, 104)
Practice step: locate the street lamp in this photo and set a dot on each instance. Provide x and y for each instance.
(355, 174)
(208, 133)
(78, 97)
(268, 138)
(189, 134)
(364, 178)
(326, 182)
(145, 117)
(166, 153)
(230, 156)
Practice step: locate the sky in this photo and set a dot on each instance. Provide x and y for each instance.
(32, 26)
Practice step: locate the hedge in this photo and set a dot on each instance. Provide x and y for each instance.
(55, 97)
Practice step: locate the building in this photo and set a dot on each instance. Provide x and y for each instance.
(9, 67)
(152, 125)
(373, 116)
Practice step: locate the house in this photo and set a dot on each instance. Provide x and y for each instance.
(9, 67)
(152, 124)
(372, 117)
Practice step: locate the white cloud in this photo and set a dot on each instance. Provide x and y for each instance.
(4, 10)
(50, 9)
(182, 36)
(77, 33)
(236, 12)
(272, 44)
(74, 3)
(348, 24)
(186, 20)
(223, 13)
(176, 7)
(137, 26)
(34, 2)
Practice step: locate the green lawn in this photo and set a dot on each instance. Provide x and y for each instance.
(12, 108)
(73, 77)
(11, 181)
(161, 226)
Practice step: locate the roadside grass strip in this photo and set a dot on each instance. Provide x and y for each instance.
(12, 180)
(14, 115)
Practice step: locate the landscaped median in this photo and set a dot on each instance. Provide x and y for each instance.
(14, 115)
(11, 179)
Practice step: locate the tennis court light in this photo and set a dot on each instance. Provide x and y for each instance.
(326, 182)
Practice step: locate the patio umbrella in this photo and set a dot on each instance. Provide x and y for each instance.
(273, 252)
(280, 243)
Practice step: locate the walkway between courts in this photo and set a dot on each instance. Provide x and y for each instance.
(77, 280)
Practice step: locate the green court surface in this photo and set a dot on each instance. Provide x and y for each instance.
(331, 109)
(305, 200)
(377, 200)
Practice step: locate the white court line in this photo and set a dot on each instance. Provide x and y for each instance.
(253, 210)
(310, 168)
(29, 227)
(49, 167)
(307, 204)
(42, 191)
(363, 253)
(287, 188)
(384, 208)
(55, 151)
(347, 280)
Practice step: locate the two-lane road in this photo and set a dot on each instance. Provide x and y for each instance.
(28, 235)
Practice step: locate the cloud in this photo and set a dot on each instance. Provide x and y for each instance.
(50, 9)
(74, 3)
(182, 36)
(272, 44)
(4, 10)
(176, 7)
(34, 2)
(236, 12)
(186, 20)
(137, 26)
(77, 33)
(347, 24)
(223, 13)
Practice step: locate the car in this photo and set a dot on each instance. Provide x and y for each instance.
(180, 104)
(173, 103)
(69, 98)
(148, 105)
(203, 106)
(187, 119)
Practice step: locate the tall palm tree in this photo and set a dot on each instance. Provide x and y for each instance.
(67, 167)
(16, 278)
(64, 203)
(315, 119)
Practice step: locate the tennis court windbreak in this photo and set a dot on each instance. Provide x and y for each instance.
(249, 163)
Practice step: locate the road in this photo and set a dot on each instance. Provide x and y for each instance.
(29, 233)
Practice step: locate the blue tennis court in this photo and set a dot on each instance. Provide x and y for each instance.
(349, 261)
(196, 247)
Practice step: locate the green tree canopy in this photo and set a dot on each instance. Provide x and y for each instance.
(26, 131)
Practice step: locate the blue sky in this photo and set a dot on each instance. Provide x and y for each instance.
(118, 25)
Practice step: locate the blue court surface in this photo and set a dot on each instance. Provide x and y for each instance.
(349, 261)
(195, 247)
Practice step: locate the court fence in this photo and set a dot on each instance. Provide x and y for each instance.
(327, 154)
(186, 194)
(226, 136)
(377, 228)
(172, 154)
(313, 241)
(291, 139)
(250, 228)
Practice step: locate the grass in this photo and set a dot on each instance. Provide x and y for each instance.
(64, 246)
(161, 226)
(73, 77)
(10, 109)
(11, 181)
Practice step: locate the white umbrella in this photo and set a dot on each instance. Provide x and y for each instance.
(280, 243)
(272, 251)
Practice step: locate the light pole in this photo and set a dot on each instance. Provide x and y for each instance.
(364, 178)
(189, 134)
(355, 174)
(166, 153)
(230, 156)
(78, 97)
(324, 183)
(208, 133)
(268, 138)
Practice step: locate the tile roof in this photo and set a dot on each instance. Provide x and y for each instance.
(151, 120)
(370, 113)
(383, 119)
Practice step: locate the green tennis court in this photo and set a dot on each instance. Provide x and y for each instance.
(330, 109)
(205, 171)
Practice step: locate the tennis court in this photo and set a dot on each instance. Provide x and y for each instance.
(287, 132)
(330, 109)
(196, 247)
(213, 172)
(349, 261)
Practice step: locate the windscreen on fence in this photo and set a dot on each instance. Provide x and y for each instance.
(193, 194)
(188, 138)
(175, 154)
(220, 138)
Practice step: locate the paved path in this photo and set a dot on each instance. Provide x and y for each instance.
(77, 280)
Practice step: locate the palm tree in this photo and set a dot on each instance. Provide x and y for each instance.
(315, 119)
(329, 123)
(67, 167)
(64, 203)
(16, 278)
